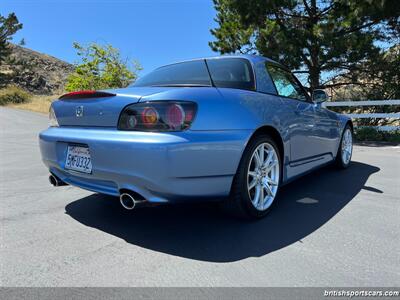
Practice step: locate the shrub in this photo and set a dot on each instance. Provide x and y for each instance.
(101, 68)
(13, 95)
(372, 134)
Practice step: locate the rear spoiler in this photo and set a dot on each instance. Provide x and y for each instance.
(86, 94)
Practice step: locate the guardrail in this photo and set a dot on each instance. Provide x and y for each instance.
(395, 115)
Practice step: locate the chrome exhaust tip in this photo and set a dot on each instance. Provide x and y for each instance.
(55, 181)
(127, 201)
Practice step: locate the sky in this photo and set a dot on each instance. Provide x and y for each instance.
(153, 32)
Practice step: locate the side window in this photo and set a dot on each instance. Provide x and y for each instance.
(285, 84)
(264, 81)
(233, 73)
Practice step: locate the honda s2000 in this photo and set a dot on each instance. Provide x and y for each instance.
(234, 128)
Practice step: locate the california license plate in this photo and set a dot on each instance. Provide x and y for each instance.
(78, 159)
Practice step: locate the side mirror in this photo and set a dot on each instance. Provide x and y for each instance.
(319, 96)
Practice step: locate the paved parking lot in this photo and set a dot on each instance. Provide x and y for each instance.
(330, 228)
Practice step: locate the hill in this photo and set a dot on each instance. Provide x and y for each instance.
(35, 72)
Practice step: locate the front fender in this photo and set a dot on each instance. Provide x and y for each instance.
(343, 120)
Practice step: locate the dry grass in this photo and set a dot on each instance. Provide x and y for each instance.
(13, 96)
(37, 103)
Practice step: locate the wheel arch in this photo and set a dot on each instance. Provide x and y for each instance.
(344, 123)
(350, 123)
(276, 136)
(274, 133)
(347, 122)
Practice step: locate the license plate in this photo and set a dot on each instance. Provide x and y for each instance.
(78, 159)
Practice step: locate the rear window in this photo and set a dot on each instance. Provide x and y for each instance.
(185, 73)
(225, 72)
(231, 73)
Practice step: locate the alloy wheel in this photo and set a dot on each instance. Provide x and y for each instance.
(347, 146)
(263, 176)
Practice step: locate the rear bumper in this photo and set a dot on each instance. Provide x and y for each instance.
(162, 167)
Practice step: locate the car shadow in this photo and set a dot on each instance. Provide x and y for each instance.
(202, 232)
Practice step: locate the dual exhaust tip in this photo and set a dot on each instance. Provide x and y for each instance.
(127, 199)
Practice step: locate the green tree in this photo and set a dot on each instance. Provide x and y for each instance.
(377, 79)
(331, 37)
(8, 27)
(101, 67)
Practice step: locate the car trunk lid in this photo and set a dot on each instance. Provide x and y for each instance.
(98, 108)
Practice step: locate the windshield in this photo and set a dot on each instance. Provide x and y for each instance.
(225, 72)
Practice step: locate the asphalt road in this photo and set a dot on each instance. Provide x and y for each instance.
(330, 228)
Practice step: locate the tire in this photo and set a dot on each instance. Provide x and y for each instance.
(345, 151)
(243, 201)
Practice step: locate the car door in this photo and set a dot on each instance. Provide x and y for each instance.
(326, 130)
(301, 119)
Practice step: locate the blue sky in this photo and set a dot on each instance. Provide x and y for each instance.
(153, 32)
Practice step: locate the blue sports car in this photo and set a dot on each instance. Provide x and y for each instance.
(232, 128)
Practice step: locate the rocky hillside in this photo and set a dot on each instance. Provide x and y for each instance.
(36, 72)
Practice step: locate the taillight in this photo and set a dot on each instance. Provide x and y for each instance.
(149, 117)
(175, 115)
(158, 116)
